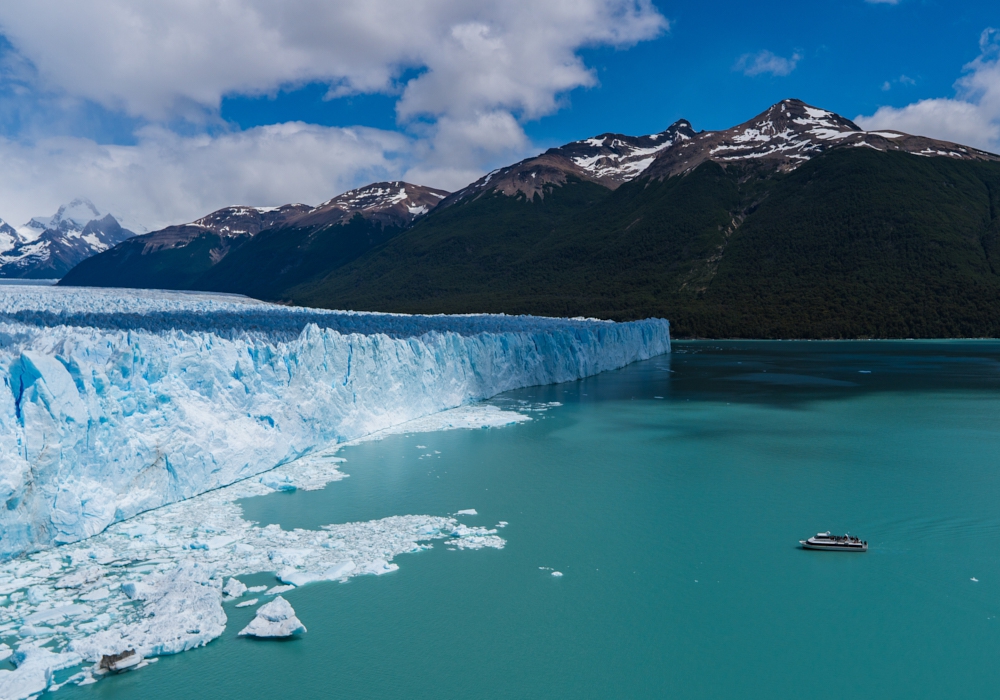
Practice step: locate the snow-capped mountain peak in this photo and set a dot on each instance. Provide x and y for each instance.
(790, 133)
(393, 203)
(608, 159)
(619, 158)
(48, 246)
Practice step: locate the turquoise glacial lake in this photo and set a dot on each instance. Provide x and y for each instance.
(675, 522)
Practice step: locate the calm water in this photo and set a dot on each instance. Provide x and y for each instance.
(675, 521)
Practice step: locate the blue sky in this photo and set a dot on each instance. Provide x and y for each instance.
(164, 113)
(849, 53)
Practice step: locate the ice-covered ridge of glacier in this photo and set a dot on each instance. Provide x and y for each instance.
(231, 315)
(117, 401)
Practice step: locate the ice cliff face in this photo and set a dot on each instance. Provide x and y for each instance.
(116, 402)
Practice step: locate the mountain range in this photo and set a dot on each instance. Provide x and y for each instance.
(260, 251)
(796, 223)
(47, 247)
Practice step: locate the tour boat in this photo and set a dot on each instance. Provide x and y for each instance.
(833, 543)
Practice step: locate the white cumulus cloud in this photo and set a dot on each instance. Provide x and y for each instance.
(972, 117)
(467, 76)
(166, 178)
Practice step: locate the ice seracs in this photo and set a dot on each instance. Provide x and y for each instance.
(274, 619)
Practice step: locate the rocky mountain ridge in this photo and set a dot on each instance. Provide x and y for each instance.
(783, 137)
(179, 256)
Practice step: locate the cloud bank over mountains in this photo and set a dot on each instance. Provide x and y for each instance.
(466, 75)
(972, 117)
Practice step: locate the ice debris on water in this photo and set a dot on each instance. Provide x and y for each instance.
(247, 603)
(274, 619)
(121, 401)
(158, 595)
(467, 511)
(557, 574)
(277, 590)
(234, 588)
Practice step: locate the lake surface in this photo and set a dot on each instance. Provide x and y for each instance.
(675, 522)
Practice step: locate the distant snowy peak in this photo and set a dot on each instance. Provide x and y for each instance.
(393, 203)
(608, 160)
(50, 246)
(789, 134)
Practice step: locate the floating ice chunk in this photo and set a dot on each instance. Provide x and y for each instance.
(33, 675)
(274, 619)
(96, 594)
(80, 577)
(5, 652)
(247, 603)
(220, 541)
(276, 590)
(339, 571)
(378, 567)
(557, 574)
(502, 524)
(256, 589)
(976, 580)
(36, 594)
(181, 610)
(298, 578)
(234, 588)
(469, 511)
(421, 447)
(135, 590)
(290, 556)
(56, 614)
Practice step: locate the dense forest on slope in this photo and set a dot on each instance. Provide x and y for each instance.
(276, 259)
(854, 243)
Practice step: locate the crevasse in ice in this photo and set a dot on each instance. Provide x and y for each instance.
(118, 401)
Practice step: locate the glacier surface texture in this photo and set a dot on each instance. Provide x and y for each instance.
(119, 401)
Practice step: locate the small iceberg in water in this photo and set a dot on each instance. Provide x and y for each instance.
(275, 619)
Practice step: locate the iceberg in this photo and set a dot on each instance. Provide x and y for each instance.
(274, 619)
(116, 402)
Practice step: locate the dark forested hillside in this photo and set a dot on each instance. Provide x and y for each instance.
(855, 243)
(794, 224)
(276, 259)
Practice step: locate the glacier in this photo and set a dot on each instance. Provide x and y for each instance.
(116, 402)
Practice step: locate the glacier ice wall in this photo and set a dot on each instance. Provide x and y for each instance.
(118, 401)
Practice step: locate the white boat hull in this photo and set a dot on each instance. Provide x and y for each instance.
(834, 547)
